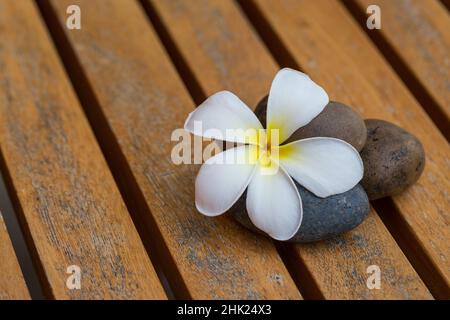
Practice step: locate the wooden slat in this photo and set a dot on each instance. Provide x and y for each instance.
(330, 45)
(12, 283)
(143, 100)
(70, 205)
(228, 55)
(418, 33)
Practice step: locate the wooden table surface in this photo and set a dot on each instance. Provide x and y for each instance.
(86, 118)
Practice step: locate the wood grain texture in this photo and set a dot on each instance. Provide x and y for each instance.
(331, 47)
(418, 31)
(229, 55)
(70, 206)
(344, 273)
(12, 283)
(142, 100)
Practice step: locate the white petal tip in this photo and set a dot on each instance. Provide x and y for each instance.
(219, 113)
(207, 213)
(219, 185)
(274, 205)
(294, 100)
(285, 237)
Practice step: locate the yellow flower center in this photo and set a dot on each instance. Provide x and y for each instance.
(264, 158)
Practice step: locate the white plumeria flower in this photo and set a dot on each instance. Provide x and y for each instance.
(324, 166)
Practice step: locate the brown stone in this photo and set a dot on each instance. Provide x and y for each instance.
(393, 159)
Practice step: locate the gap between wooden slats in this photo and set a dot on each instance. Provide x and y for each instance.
(18, 241)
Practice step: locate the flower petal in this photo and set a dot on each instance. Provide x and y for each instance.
(324, 166)
(222, 113)
(274, 204)
(294, 100)
(223, 178)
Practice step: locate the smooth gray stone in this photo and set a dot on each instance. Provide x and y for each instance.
(323, 218)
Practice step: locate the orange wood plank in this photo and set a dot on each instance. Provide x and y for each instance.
(229, 55)
(143, 100)
(326, 41)
(71, 208)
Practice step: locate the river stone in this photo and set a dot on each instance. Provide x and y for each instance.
(336, 120)
(323, 218)
(393, 159)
